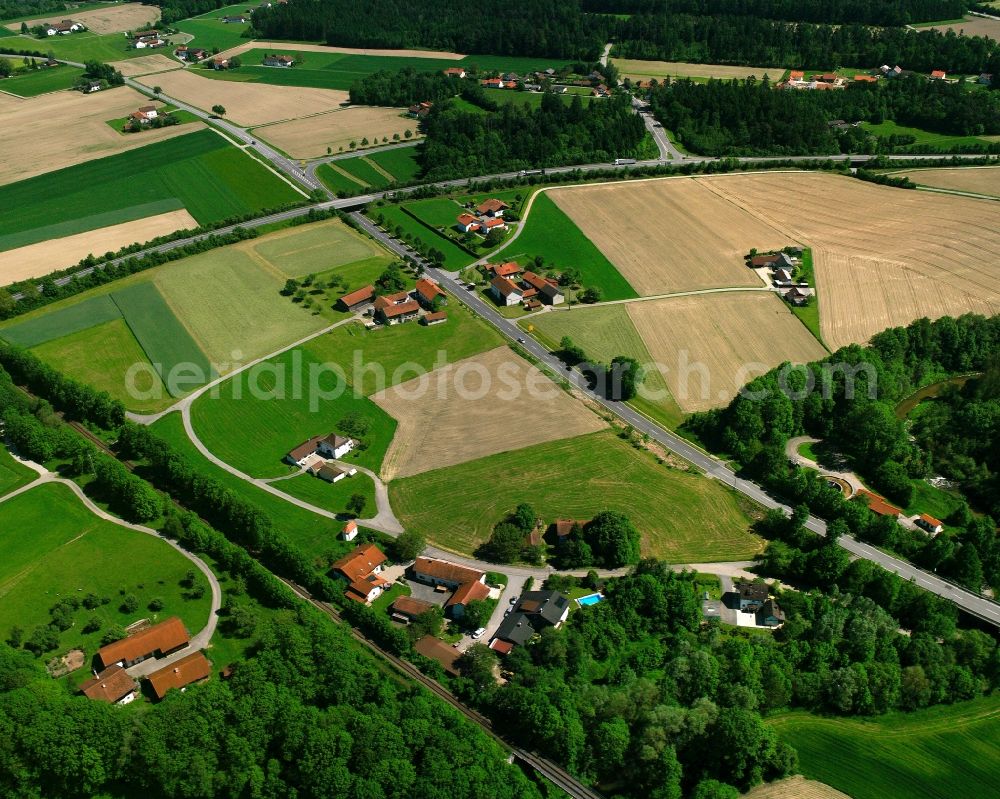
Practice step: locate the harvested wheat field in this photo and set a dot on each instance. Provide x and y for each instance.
(644, 70)
(797, 787)
(322, 48)
(926, 255)
(246, 104)
(112, 19)
(75, 131)
(39, 259)
(464, 403)
(712, 344)
(146, 65)
(973, 26)
(309, 137)
(978, 180)
(669, 235)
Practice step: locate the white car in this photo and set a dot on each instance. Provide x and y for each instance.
(478, 634)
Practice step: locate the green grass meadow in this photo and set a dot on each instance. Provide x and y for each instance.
(940, 753)
(317, 248)
(942, 141)
(336, 181)
(330, 496)
(13, 475)
(454, 257)
(362, 169)
(683, 517)
(209, 31)
(401, 163)
(41, 81)
(54, 548)
(80, 47)
(549, 233)
(65, 321)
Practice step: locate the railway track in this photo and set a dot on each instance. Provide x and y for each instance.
(555, 774)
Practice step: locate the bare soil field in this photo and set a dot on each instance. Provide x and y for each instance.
(39, 259)
(74, 131)
(102, 20)
(309, 137)
(973, 26)
(797, 787)
(322, 48)
(644, 70)
(882, 256)
(712, 344)
(978, 180)
(670, 235)
(246, 104)
(489, 403)
(146, 65)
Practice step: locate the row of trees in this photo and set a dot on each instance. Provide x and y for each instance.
(620, 380)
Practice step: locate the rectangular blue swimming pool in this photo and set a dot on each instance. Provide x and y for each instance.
(590, 599)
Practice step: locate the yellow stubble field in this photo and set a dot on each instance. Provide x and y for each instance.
(310, 137)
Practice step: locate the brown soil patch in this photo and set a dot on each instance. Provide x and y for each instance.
(309, 137)
(146, 65)
(883, 256)
(61, 666)
(73, 131)
(672, 235)
(321, 48)
(644, 70)
(113, 19)
(489, 403)
(39, 259)
(712, 344)
(973, 26)
(797, 787)
(978, 180)
(246, 103)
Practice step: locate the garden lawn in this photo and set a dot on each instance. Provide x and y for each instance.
(381, 605)
(393, 351)
(401, 163)
(39, 81)
(316, 535)
(13, 474)
(54, 547)
(939, 753)
(683, 517)
(331, 496)
(549, 233)
(455, 257)
(283, 403)
(603, 332)
(201, 171)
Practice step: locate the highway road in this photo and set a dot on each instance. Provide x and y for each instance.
(975, 605)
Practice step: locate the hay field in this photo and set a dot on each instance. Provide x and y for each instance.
(735, 335)
(309, 137)
(39, 259)
(797, 787)
(112, 19)
(973, 26)
(483, 405)
(671, 235)
(146, 65)
(644, 70)
(322, 48)
(74, 131)
(978, 180)
(882, 256)
(246, 103)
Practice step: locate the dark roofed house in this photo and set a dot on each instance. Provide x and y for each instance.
(436, 649)
(278, 61)
(796, 297)
(564, 527)
(113, 685)
(357, 298)
(180, 674)
(752, 594)
(335, 446)
(544, 608)
(759, 261)
(301, 453)
(515, 629)
(156, 641)
(770, 615)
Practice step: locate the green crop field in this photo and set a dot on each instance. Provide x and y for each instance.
(436, 212)
(462, 336)
(163, 338)
(604, 332)
(683, 517)
(331, 496)
(317, 248)
(939, 753)
(55, 548)
(337, 181)
(317, 535)
(279, 405)
(362, 169)
(454, 256)
(81, 47)
(549, 233)
(401, 163)
(942, 141)
(209, 31)
(201, 171)
(62, 321)
(13, 474)
(39, 81)
(532, 99)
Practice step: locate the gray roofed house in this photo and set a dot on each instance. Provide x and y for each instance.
(752, 595)
(544, 608)
(516, 628)
(770, 615)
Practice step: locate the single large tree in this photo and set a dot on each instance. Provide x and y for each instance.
(613, 539)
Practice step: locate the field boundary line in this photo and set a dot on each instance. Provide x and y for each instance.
(344, 173)
(266, 164)
(380, 170)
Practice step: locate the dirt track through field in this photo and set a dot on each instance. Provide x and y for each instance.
(645, 70)
(39, 259)
(712, 344)
(101, 20)
(53, 131)
(489, 403)
(321, 48)
(310, 137)
(978, 180)
(666, 236)
(246, 103)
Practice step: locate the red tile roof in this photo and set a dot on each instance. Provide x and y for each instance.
(350, 527)
(465, 219)
(163, 637)
(506, 269)
(467, 592)
(360, 563)
(796, 74)
(504, 286)
(537, 281)
(436, 649)
(488, 223)
(306, 448)
(503, 647)
(360, 295)
(879, 504)
(492, 206)
(444, 570)
(437, 316)
(931, 520)
(938, 73)
(391, 311)
(180, 674)
(409, 606)
(110, 685)
(428, 289)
